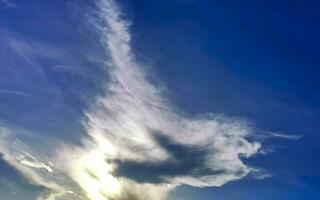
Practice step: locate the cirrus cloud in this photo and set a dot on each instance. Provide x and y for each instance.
(137, 146)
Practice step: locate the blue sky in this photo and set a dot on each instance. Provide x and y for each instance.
(217, 71)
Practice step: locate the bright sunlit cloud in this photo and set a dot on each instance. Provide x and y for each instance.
(138, 147)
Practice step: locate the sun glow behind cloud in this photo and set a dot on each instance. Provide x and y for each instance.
(132, 130)
(93, 174)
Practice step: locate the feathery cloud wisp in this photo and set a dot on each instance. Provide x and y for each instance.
(131, 127)
(285, 136)
(8, 3)
(134, 128)
(13, 92)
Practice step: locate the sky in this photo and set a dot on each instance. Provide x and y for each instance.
(159, 100)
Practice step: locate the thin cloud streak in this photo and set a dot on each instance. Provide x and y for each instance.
(8, 3)
(14, 92)
(285, 136)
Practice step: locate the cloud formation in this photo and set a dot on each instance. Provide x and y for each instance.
(136, 131)
(285, 136)
(16, 154)
(138, 146)
(8, 3)
(13, 92)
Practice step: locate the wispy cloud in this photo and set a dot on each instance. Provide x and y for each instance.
(8, 3)
(13, 92)
(260, 174)
(132, 129)
(28, 48)
(15, 153)
(285, 136)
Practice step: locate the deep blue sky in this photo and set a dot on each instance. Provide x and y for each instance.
(257, 60)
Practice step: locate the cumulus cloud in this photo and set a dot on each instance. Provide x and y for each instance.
(138, 146)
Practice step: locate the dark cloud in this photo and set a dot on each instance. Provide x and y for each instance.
(184, 160)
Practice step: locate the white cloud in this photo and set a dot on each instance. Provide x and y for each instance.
(131, 124)
(285, 136)
(14, 153)
(124, 122)
(34, 164)
(260, 174)
(13, 92)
